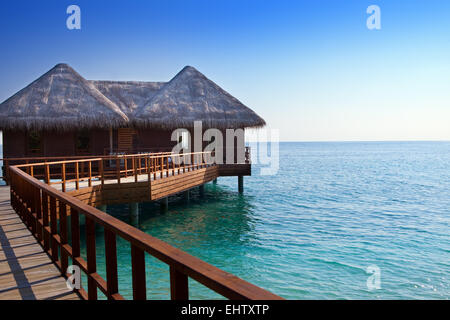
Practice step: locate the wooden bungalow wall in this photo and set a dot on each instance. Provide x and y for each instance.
(64, 143)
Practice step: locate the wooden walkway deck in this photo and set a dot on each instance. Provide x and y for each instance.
(26, 271)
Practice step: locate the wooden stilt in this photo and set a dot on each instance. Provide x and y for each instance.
(241, 184)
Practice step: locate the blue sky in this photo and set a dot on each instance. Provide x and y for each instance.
(312, 69)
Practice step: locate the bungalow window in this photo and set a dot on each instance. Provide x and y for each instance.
(83, 142)
(34, 142)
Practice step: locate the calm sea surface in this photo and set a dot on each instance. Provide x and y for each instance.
(311, 231)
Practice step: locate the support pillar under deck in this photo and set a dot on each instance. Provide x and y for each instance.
(134, 213)
(164, 203)
(241, 184)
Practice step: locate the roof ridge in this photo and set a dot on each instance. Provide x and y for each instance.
(124, 81)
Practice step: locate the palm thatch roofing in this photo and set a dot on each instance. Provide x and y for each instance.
(189, 97)
(128, 95)
(62, 99)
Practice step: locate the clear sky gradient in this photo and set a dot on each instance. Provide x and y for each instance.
(312, 69)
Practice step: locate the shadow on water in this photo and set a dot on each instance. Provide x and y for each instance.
(194, 220)
(214, 228)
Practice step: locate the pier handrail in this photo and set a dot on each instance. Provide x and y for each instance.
(7, 162)
(116, 167)
(126, 161)
(45, 212)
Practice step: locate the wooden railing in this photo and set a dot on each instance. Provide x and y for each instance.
(115, 151)
(7, 162)
(155, 163)
(119, 167)
(45, 211)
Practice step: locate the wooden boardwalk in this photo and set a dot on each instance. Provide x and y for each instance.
(26, 271)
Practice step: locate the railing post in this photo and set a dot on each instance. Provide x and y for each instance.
(179, 287)
(31, 206)
(138, 273)
(24, 204)
(77, 176)
(173, 165)
(46, 234)
(167, 166)
(63, 235)
(149, 171)
(118, 169)
(91, 258)
(63, 177)
(47, 174)
(135, 169)
(37, 197)
(153, 167)
(178, 164)
(138, 165)
(75, 233)
(125, 159)
(90, 173)
(146, 164)
(53, 228)
(102, 174)
(28, 205)
(111, 264)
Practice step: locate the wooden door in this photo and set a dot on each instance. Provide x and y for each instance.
(126, 136)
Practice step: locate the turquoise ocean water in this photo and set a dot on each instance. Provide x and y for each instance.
(311, 231)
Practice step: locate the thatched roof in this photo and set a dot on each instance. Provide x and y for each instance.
(128, 95)
(189, 97)
(62, 99)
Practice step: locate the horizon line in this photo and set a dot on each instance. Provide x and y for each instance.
(340, 141)
(350, 141)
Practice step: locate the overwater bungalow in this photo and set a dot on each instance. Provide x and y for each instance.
(63, 114)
